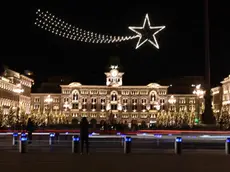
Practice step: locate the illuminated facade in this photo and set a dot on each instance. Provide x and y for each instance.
(126, 103)
(15, 90)
(226, 95)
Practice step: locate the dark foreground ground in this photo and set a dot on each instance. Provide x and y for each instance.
(114, 162)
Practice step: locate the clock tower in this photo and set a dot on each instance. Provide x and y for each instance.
(114, 77)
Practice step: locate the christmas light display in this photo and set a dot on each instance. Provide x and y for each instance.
(51, 23)
(57, 26)
(151, 39)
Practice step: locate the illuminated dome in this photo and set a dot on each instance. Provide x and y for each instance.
(154, 85)
(75, 84)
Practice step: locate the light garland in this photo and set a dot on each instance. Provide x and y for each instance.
(51, 23)
(57, 26)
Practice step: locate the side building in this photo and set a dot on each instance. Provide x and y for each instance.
(125, 103)
(15, 90)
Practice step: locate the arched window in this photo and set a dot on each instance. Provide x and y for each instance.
(153, 97)
(114, 97)
(75, 96)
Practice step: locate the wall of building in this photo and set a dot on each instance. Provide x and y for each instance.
(15, 90)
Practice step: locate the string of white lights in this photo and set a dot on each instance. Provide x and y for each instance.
(57, 26)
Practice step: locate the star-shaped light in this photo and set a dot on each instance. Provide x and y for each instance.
(150, 38)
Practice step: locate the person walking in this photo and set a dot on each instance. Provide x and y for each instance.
(30, 129)
(84, 134)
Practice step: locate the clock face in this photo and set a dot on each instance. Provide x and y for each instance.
(114, 72)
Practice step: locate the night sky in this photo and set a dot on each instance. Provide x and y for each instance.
(25, 46)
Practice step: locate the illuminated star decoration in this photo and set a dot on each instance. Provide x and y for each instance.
(151, 30)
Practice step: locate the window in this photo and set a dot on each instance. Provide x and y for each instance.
(114, 97)
(143, 93)
(36, 99)
(191, 108)
(143, 107)
(153, 107)
(125, 101)
(56, 100)
(162, 101)
(143, 101)
(113, 107)
(94, 100)
(102, 100)
(182, 101)
(84, 106)
(65, 99)
(84, 91)
(75, 96)
(93, 106)
(75, 106)
(134, 101)
(125, 108)
(182, 108)
(102, 107)
(153, 97)
(93, 91)
(191, 101)
(172, 108)
(102, 92)
(134, 107)
(36, 106)
(66, 91)
(125, 92)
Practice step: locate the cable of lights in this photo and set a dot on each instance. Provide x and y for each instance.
(49, 22)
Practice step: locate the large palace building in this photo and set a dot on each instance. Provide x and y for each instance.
(126, 103)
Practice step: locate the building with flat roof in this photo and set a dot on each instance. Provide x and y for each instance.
(125, 103)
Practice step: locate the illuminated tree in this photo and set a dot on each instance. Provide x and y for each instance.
(38, 117)
(1, 116)
(10, 117)
(175, 119)
(63, 119)
(55, 117)
(225, 119)
(23, 117)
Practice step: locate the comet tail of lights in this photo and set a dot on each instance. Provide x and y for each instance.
(57, 26)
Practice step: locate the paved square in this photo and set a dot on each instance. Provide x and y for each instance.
(114, 162)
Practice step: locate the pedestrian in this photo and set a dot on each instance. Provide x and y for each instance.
(30, 129)
(84, 134)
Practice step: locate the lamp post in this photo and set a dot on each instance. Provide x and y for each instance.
(49, 100)
(200, 94)
(208, 114)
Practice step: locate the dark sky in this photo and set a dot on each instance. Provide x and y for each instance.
(24, 46)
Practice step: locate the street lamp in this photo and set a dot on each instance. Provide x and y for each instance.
(49, 100)
(172, 100)
(200, 94)
(198, 91)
